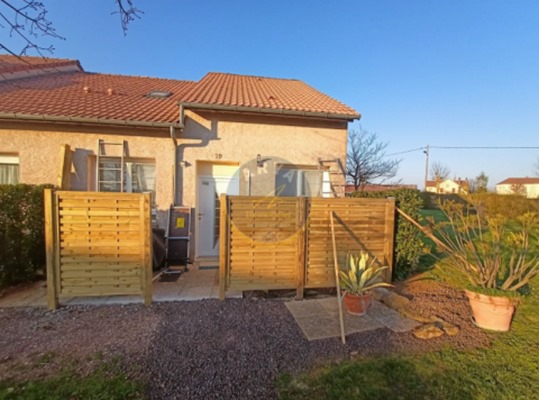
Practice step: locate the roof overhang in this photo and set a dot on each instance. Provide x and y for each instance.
(85, 120)
(268, 111)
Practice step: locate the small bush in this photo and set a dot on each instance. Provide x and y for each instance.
(408, 244)
(22, 242)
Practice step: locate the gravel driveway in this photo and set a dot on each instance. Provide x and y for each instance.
(207, 349)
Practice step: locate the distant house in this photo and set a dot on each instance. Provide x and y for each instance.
(459, 186)
(528, 187)
(379, 188)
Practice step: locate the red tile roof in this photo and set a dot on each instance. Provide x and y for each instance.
(78, 94)
(520, 181)
(10, 64)
(264, 93)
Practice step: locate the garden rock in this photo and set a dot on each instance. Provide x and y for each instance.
(448, 328)
(428, 331)
(391, 299)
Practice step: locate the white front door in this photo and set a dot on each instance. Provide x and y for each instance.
(209, 190)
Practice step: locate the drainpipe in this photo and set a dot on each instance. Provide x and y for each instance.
(175, 145)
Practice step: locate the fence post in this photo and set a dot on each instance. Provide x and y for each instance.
(50, 214)
(223, 245)
(301, 232)
(145, 217)
(389, 237)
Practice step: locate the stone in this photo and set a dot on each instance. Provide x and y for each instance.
(418, 316)
(428, 331)
(448, 328)
(391, 299)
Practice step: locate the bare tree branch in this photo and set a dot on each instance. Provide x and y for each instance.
(439, 172)
(27, 22)
(366, 162)
(128, 12)
(536, 167)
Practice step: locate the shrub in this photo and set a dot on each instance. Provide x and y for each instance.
(22, 242)
(408, 244)
(508, 205)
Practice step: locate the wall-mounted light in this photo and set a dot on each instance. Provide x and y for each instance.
(259, 162)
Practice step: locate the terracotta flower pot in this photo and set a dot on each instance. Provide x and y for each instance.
(357, 304)
(491, 312)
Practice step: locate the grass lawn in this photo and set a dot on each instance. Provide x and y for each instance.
(507, 370)
(104, 384)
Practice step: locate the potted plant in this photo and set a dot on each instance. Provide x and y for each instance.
(499, 256)
(357, 282)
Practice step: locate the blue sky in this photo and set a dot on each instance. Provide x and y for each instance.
(444, 73)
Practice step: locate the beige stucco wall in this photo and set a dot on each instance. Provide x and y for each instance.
(38, 148)
(239, 139)
(234, 140)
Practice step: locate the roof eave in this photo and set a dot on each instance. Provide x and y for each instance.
(273, 111)
(85, 120)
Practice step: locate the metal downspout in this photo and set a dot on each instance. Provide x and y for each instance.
(174, 170)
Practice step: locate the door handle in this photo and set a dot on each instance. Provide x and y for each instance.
(200, 214)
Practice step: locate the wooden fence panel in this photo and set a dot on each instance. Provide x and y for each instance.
(263, 242)
(100, 244)
(360, 224)
(285, 242)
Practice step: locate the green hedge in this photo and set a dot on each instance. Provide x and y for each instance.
(408, 244)
(508, 205)
(22, 242)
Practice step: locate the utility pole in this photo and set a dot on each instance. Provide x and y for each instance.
(426, 151)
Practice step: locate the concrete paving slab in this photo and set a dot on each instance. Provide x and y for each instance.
(86, 301)
(306, 308)
(360, 323)
(319, 318)
(192, 285)
(321, 327)
(390, 318)
(195, 293)
(124, 300)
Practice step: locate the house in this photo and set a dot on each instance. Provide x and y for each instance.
(459, 186)
(186, 142)
(528, 187)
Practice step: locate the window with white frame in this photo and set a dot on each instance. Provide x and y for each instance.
(9, 169)
(301, 181)
(138, 175)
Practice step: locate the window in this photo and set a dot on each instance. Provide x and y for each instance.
(9, 169)
(138, 176)
(301, 181)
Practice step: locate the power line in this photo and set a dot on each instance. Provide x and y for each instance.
(486, 147)
(465, 148)
(404, 152)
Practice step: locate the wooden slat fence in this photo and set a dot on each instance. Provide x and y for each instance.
(98, 244)
(285, 242)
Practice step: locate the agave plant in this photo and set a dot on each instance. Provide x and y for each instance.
(361, 275)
